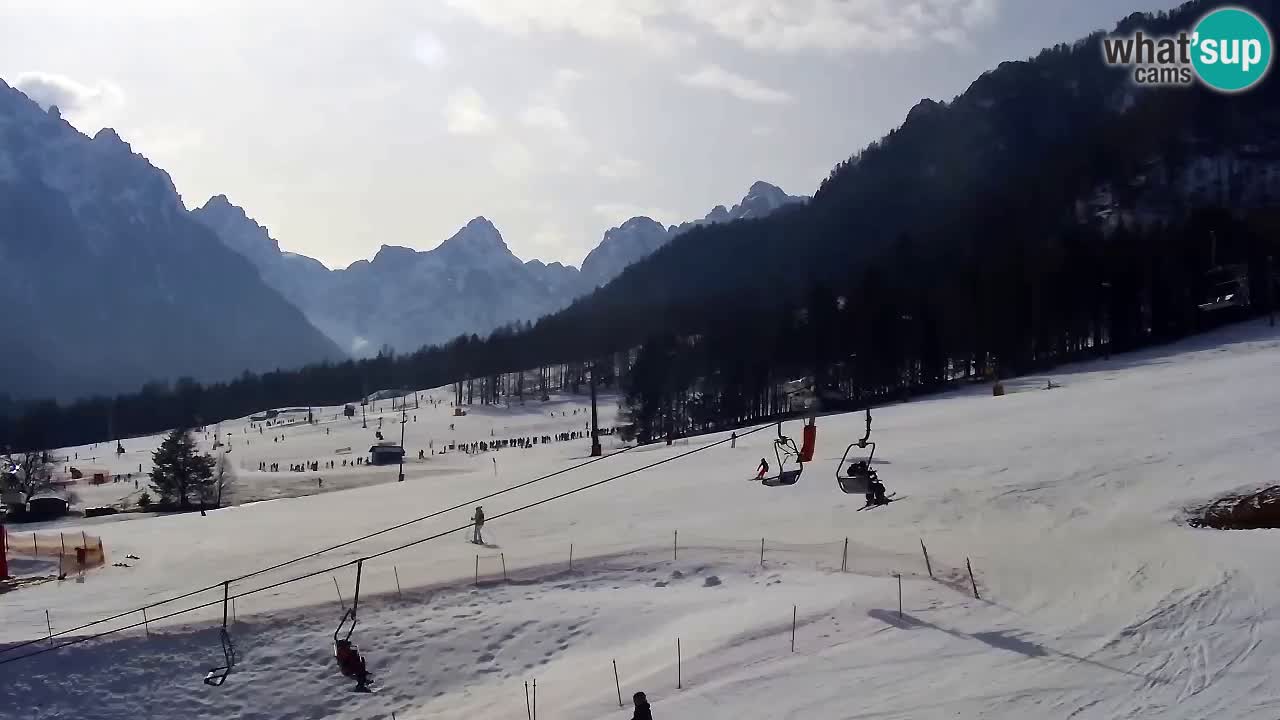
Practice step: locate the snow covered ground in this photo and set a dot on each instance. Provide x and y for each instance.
(1097, 601)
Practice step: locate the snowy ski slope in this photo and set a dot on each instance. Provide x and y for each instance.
(1097, 601)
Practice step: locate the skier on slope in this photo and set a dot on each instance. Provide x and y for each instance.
(763, 469)
(478, 519)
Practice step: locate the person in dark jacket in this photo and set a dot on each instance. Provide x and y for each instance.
(642, 707)
(875, 494)
(352, 664)
(762, 469)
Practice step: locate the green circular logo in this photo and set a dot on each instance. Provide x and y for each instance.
(1231, 49)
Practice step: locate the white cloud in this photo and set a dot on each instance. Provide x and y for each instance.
(565, 79)
(774, 25)
(950, 36)
(618, 167)
(72, 98)
(640, 22)
(428, 50)
(163, 144)
(836, 25)
(619, 212)
(511, 159)
(466, 113)
(545, 117)
(546, 114)
(714, 77)
(978, 12)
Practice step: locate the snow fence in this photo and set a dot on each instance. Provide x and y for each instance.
(73, 551)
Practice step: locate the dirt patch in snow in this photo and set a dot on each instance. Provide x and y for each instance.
(1251, 511)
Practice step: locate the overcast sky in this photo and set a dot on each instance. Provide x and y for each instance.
(343, 126)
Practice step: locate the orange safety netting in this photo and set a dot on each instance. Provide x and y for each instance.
(71, 550)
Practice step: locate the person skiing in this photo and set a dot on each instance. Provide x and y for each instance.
(763, 469)
(642, 707)
(478, 519)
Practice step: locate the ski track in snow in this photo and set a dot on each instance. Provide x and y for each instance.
(1097, 601)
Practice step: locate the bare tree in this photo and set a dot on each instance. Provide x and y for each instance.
(27, 473)
(224, 478)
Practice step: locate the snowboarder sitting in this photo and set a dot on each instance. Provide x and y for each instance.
(763, 469)
(351, 663)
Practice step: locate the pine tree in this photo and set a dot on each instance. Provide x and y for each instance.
(180, 474)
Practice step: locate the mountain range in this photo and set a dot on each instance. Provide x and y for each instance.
(470, 284)
(110, 283)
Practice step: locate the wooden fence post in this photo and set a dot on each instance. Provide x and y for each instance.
(616, 683)
(679, 667)
(341, 602)
(527, 712)
(969, 565)
(49, 624)
(504, 566)
(146, 625)
(927, 565)
(761, 552)
(899, 596)
(675, 544)
(570, 557)
(844, 557)
(793, 628)
(477, 569)
(399, 592)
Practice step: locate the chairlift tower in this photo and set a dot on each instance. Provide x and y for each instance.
(596, 450)
(404, 418)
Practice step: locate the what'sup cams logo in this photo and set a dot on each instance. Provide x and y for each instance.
(1229, 50)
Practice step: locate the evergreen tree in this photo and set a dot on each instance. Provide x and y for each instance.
(180, 473)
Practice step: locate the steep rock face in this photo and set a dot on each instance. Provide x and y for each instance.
(639, 237)
(470, 283)
(623, 245)
(405, 298)
(110, 283)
